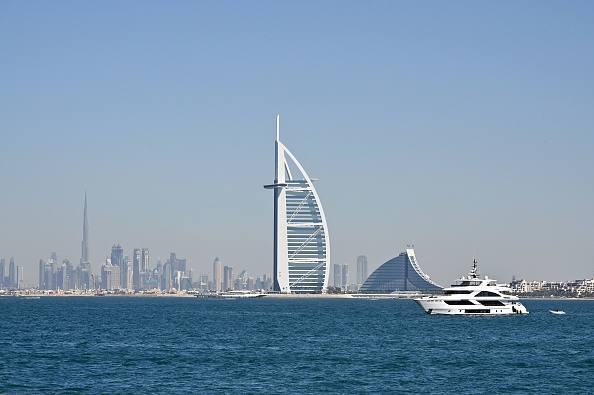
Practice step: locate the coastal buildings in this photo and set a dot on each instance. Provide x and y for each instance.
(401, 273)
(301, 252)
(341, 275)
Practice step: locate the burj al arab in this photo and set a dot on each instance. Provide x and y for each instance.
(301, 254)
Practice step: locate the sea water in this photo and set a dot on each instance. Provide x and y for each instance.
(159, 345)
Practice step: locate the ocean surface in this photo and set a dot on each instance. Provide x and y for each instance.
(172, 345)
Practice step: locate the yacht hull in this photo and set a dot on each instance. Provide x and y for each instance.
(440, 306)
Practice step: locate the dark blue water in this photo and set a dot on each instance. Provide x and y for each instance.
(144, 345)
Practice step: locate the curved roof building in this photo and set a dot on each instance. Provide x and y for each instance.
(301, 245)
(401, 273)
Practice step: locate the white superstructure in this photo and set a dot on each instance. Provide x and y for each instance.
(301, 244)
(473, 295)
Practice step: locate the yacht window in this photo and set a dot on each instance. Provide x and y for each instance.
(487, 294)
(456, 292)
(478, 311)
(491, 303)
(458, 302)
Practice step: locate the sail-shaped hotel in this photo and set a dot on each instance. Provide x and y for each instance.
(301, 245)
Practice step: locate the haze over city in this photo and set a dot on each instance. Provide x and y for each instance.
(462, 128)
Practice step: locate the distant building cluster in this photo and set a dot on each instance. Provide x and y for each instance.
(575, 288)
(14, 279)
(223, 280)
(343, 281)
(124, 274)
(120, 273)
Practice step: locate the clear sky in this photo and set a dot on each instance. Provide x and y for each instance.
(465, 128)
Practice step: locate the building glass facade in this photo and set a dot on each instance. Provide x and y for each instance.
(401, 273)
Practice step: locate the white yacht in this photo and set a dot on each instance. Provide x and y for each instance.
(242, 294)
(473, 295)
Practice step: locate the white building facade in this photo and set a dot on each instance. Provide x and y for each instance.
(301, 245)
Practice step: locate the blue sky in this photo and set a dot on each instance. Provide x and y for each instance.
(464, 128)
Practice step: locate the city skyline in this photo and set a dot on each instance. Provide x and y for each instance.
(461, 128)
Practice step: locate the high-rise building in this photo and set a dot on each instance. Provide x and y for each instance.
(145, 265)
(117, 259)
(41, 274)
(337, 274)
(2, 272)
(12, 279)
(345, 275)
(181, 265)
(301, 253)
(266, 282)
(136, 257)
(166, 279)
(84, 274)
(361, 270)
(110, 276)
(85, 241)
(145, 272)
(228, 278)
(66, 276)
(217, 272)
(129, 275)
(19, 275)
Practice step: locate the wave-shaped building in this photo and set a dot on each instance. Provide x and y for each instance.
(401, 273)
(301, 244)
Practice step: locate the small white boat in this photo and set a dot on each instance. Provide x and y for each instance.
(556, 312)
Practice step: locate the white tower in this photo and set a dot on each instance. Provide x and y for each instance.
(301, 243)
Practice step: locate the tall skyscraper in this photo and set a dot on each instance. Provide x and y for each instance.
(12, 279)
(66, 275)
(345, 275)
(84, 275)
(301, 244)
(228, 278)
(361, 270)
(129, 286)
(19, 276)
(85, 241)
(166, 277)
(145, 269)
(337, 274)
(41, 274)
(2, 272)
(110, 276)
(136, 257)
(217, 273)
(145, 266)
(117, 259)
